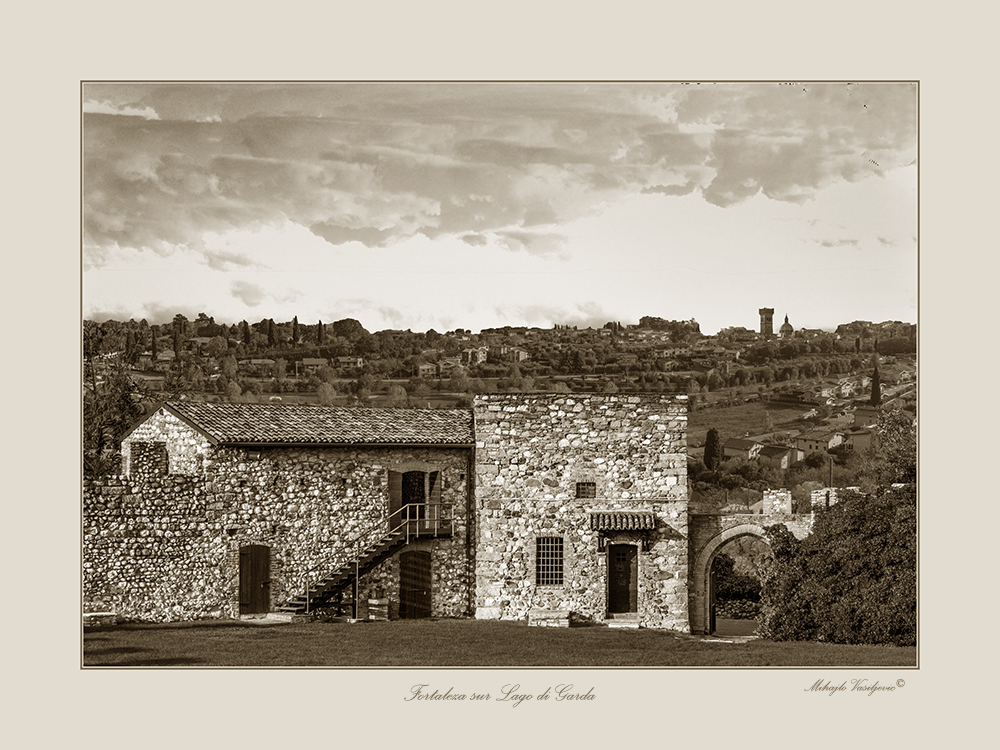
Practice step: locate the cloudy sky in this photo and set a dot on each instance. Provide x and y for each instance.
(476, 205)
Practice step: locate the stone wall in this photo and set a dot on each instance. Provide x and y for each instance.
(531, 451)
(165, 546)
(777, 501)
(188, 449)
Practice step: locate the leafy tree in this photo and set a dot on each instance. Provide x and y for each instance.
(714, 451)
(229, 366)
(349, 328)
(326, 393)
(109, 411)
(217, 346)
(730, 585)
(852, 580)
(816, 460)
(396, 395)
(894, 458)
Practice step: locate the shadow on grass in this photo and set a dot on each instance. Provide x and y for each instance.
(173, 661)
(452, 643)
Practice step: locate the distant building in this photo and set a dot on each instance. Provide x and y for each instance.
(859, 439)
(766, 321)
(865, 416)
(786, 329)
(312, 364)
(741, 448)
(818, 441)
(778, 456)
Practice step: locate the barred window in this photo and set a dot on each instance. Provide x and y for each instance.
(586, 489)
(549, 561)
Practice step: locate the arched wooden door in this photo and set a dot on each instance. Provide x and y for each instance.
(414, 585)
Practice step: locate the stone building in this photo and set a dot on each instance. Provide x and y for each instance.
(521, 506)
(581, 506)
(239, 509)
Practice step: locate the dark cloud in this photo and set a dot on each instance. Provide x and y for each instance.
(535, 243)
(671, 189)
(476, 240)
(382, 163)
(219, 260)
(250, 294)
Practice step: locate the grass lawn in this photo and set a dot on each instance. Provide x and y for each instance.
(451, 643)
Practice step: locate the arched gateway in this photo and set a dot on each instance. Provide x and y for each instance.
(709, 533)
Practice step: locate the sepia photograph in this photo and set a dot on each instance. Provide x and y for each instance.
(523, 374)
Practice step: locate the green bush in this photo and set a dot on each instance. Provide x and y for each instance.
(852, 580)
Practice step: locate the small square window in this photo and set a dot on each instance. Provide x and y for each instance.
(586, 489)
(549, 561)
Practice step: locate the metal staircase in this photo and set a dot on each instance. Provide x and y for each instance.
(416, 522)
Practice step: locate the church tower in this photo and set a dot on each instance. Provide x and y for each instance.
(766, 321)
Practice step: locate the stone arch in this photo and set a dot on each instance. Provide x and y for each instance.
(702, 565)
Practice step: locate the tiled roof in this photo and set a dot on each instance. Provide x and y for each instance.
(279, 424)
(622, 521)
(740, 443)
(774, 450)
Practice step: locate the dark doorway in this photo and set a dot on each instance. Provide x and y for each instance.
(623, 578)
(414, 585)
(255, 579)
(711, 602)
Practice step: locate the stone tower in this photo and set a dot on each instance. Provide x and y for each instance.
(766, 321)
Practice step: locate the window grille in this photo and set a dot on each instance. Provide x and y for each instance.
(549, 561)
(586, 489)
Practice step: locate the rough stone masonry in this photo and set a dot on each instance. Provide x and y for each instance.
(532, 452)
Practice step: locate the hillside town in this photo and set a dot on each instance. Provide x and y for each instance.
(806, 395)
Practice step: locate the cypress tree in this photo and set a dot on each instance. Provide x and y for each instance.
(270, 332)
(713, 450)
(246, 335)
(876, 398)
(295, 331)
(319, 333)
(154, 330)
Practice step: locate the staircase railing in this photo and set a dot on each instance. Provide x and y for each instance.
(415, 520)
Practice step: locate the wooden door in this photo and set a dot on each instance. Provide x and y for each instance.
(255, 579)
(623, 578)
(414, 585)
